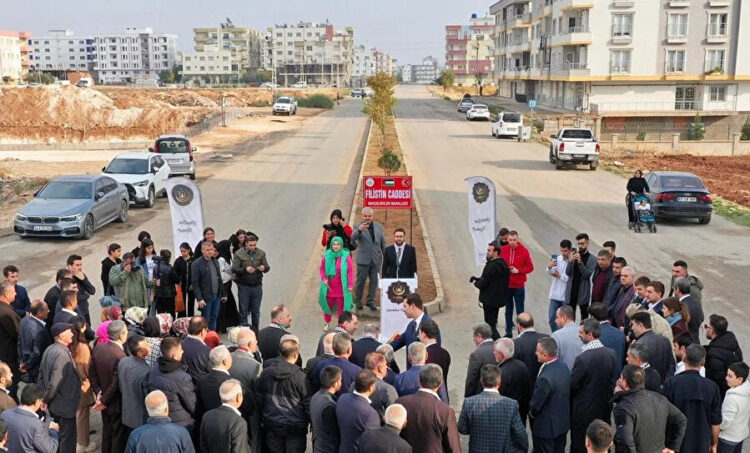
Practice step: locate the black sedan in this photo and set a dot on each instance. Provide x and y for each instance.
(679, 195)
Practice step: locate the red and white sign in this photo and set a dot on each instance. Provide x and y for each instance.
(387, 192)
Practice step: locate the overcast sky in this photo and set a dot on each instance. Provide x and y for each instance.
(407, 29)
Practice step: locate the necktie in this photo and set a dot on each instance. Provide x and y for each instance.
(398, 256)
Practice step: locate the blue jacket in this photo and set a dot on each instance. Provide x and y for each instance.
(159, 435)
(550, 404)
(348, 373)
(410, 335)
(407, 383)
(493, 424)
(170, 377)
(28, 433)
(32, 342)
(202, 287)
(355, 416)
(614, 339)
(21, 304)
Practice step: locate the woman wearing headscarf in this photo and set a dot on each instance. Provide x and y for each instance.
(166, 284)
(101, 332)
(637, 185)
(134, 317)
(180, 327)
(111, 313)
(182, 265)
(81, 353)
(337, 228)
(336, 280)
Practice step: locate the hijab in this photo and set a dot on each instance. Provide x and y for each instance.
(331, 258)
(135, 315)
(101, 332)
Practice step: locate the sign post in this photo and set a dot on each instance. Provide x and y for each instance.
(389, 192)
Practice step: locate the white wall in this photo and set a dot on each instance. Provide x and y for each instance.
(743, 92)
(648, 97)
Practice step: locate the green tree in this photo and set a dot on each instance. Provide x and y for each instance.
(40, 77)
(697, 129)
(167, 76)
(247, 77)
(746, 129)
(380, 105)
(389, 162)
(447, 79)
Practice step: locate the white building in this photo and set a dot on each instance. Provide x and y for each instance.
(15, 55)
(210, 65)
(244, 44)
(407, 75)
(364, 64)
(311, 52)
(61, 50)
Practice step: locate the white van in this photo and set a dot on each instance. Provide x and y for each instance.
(507, 123)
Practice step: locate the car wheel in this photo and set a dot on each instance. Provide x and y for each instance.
(88, 227)
(592, 166)
(551, 157)
(192, 176)
(123, 217)
(151, 198)
(704, 220)
(164, 193)
(493, 133)
(558, 164)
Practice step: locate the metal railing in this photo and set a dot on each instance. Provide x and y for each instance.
(581, 29)
(658, 106)
(575, 65)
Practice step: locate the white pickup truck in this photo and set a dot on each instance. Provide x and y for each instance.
(574, 146)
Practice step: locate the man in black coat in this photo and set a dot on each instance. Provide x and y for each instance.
(207, 284)
(387, 438)
(550, 404)
(195, 351)
(399, 259)
(493, 287)
(525, 345)
(592, 380)
(269, 337)
(33, 340)
(638, 355)
(52, 297)
(85, 288)
(223, 429)
(660, 354)
(366, 344)
(10, 325)
(347, 322)
(515, 377)
(686, 289)
(220, 361)
(482, 355)
(429, 332)
(722, 351)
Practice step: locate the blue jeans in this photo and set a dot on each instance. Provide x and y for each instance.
(553, 306)
(250, 298)
(517, 295)
(211, 311)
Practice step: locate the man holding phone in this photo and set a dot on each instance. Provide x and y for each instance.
(556, 268)
(580, 271)
(368, 235)
(519, 260)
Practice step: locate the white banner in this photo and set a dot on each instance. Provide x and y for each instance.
(392, 317)
(186, 208)
(481, 215)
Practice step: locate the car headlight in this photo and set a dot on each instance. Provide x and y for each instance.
(21, 217)
(141, 183)
(71, 218)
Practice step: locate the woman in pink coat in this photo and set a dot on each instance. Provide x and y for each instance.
(336, 280)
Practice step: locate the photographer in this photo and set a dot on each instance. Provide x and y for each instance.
(130, 283)
(166, 279)
(337, 227)
(493, 286)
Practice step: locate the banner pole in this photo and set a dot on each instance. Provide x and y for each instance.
(411, 226)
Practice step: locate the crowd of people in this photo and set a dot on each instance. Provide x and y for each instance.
(623, 367)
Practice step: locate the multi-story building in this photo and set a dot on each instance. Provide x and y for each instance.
(210, 65)
(15, 55)
(427, 72)
(364, 65)
(60, 51)
(318, 54)
(244, 44)
(407, 73)
(469, 49)
(625, 57)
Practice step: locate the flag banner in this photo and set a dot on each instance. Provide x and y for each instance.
(481, 215)
(392, 294)
(186, 208)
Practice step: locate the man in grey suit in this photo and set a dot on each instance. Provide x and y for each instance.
(246, 370)
(482, 355)
(62, 384)
(132, 372)
(29, 434)
(368, 235)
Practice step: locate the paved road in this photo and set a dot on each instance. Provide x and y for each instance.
(545, 206)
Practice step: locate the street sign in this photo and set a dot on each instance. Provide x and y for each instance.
(532, 104)
(386, 192)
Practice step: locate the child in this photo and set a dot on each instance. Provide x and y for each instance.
(643, 206)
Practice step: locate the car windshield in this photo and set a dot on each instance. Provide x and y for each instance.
(467, 101)
(577, 133)
(66, 190)
(511, 117)
(128, 166)
(480, 107)
(173, 146)
(681, 182)
(282, 101)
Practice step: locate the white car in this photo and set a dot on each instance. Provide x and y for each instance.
(285, 105)
(142, 173)
(478, 111)
(299, 85)
(507, 123)
(269, 85)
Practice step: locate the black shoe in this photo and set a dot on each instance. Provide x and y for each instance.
(372, 307)
(359, 307)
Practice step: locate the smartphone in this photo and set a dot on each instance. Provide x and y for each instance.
(554, 257)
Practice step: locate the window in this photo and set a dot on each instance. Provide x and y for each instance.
(715, 60)
(620, 61)
(718, 93)
(677, 25)
(717, 25)
(622, 25)
(675, 61)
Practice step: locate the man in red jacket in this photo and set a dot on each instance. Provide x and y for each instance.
(518, 258)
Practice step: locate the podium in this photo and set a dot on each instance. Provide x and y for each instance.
(393, 291)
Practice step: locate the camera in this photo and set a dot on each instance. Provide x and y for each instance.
(136, 267)
(472, 279)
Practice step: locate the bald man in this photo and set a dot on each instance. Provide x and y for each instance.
(159, 429)
(246, 369)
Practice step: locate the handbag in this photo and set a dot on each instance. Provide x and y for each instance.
(179, 300)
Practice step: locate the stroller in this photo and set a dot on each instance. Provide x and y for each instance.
(643, 214)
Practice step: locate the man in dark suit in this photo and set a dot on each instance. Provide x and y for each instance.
(342, 349)
(52, 297)
(313, 362)
(683, 290)
(387, 439)
(85, 288)
(413, 309)
(550, 405)
(611, 337)
(26, 427)
(493, 287)
(21, 304)
(366, 344)
(269, 337)
(428, 334)
(325, 426)
(638, 356)
(515, 376)
(105, 381)
(10, 325)
(592, 381)
(347, 322)
(220, 361)
(207, 284)
(368, 235)
(195, 351)
(223, 429)
(491, 420)
(525, 345)
(6, 380)
(385, 393)
(399, 259)
(131, 374)
(482, 355)
(354, 413)
(432, 423)
(33, 340)
(660, 354)
(69, 309)
(407, 383)
(654, 297)
(62, 384)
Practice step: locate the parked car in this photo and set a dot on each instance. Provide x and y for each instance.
(143, 174)
(574, 146)
(73, 206)
(478, 111)
(299, 85)
(286, 104)
(507, 123)
(356, 93)
(465, 104)
(178, 153)
(85, 82)
(679, 195)
(368, 92)
(269, 85)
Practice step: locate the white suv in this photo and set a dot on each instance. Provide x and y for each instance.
(286, 105)
(142, 173)
(508, 123)
(478, 111)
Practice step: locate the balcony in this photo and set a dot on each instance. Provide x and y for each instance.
(681, 107)
(716, 39)
(519, 21)
(571, 69)
(719, 3)
(567, 5)
(516, 46)
(678, 4)
(623, 3)
(574, 36)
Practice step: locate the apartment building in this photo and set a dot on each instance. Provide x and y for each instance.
(625, 57)
(364, 65)
(244, 44)
(426, 72)
(469, 49)
(60, 51)
(407, 73)
(15, 55)
(316, 53)
(210, 65)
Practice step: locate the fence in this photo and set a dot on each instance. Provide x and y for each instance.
(734, 147)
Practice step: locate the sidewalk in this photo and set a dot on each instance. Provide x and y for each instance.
(520, 107)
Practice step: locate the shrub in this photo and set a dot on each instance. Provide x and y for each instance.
(260, 103)
(697, 129)
(746, 129)
(318, 101)
(641, 136)
(389, 162)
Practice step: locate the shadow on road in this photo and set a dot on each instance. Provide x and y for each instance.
(519, 164)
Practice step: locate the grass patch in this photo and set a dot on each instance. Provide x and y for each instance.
(732, 211)
(318, 101)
